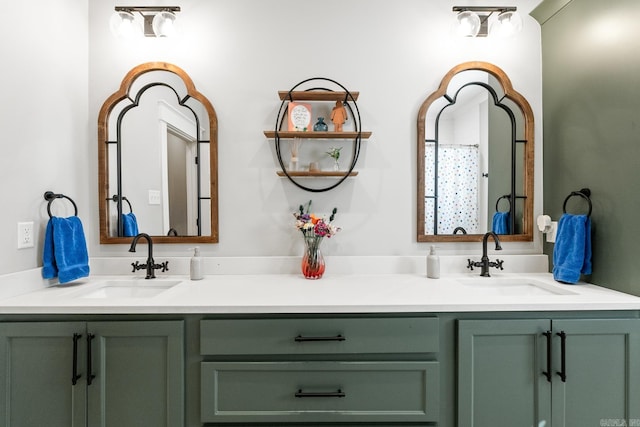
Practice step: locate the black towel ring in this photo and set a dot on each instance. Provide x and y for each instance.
(115, 199)
(585, 193)
(50, 196)
(506, 196)
(460, 229)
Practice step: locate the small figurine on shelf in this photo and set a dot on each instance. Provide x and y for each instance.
(338, 116)
(334, 153)
(320, 125)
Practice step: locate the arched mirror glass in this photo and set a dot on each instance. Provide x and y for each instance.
(475, 158)
(157, 159)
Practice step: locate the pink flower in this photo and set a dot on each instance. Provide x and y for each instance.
(321, 229)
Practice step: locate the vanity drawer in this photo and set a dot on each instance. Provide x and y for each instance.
(319, 336)
(319, 391)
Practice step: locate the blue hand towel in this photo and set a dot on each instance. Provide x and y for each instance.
(49, 269)
(130, 224)
(65, 250)
(500, 224)
(572, 252)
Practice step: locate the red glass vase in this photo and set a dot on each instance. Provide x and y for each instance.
(312, 259)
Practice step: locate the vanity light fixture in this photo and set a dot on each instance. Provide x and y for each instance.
(473, 21)
(150, 21)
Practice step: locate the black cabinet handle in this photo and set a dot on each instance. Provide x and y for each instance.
(547, 373)
(338, 393)
(90, 375)
(301, 338)
(563, 356)
(74, 369)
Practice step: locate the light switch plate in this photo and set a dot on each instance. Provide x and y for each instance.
(154, 197)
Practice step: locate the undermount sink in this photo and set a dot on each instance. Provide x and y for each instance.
(513, 286)
(134, 288)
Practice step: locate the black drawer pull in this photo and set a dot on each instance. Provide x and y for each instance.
(338, 393)
(301, 338)
(74, 369)
(90, 375)
(547, 373)
(563, 356)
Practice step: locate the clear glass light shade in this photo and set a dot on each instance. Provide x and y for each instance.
(467, 24)
(507, 24)
(123, 24)
(164, 24)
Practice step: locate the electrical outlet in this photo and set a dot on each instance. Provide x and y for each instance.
(25, 235)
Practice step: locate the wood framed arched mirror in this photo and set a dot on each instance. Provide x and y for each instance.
(475, 158)
(158, 159)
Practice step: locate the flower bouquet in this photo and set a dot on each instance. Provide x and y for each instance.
(314, 229)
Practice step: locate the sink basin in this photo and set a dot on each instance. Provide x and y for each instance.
(513, 286)
(135, 288)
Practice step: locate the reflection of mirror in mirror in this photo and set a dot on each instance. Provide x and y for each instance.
(475, 161)
(159, 156)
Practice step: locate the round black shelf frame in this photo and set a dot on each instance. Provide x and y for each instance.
(357, 123)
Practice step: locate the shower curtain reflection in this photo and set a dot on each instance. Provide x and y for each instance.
(455, 188)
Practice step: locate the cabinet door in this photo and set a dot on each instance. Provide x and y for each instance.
(500, 380)
(602, 367)
(139, 374)
(36, 368)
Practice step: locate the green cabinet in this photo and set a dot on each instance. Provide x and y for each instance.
(95, 374)
(320, 370)
(546, 372)
(602, 369)
(36, 365)
(386, 369)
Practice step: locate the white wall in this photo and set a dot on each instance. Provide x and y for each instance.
(239, 54)
(43, 119)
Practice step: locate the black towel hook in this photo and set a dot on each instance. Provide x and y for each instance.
(50, 196)
(585, 193)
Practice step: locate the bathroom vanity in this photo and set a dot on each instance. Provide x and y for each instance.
(397, 349)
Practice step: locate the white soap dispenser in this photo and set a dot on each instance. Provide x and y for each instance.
(196, 265)
(433, 264)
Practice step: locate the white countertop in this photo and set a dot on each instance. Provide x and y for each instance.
(334, 293)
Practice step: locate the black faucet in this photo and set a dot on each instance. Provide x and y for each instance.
(150, 265)
(484, 261)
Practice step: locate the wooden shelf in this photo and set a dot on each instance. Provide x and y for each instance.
(318, 95)
(322, 174)
(316, 135)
